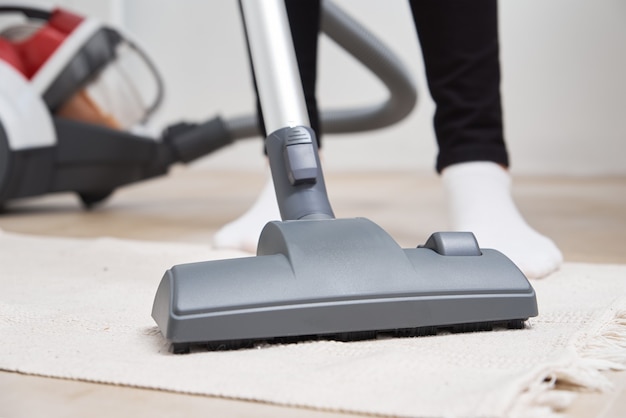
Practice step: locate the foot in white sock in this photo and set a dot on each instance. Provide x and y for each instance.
(479, 200)
(243, 233)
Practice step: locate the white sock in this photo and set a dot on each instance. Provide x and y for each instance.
(479, 200)
(243, 233)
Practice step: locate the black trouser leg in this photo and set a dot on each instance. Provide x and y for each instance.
(459, 40)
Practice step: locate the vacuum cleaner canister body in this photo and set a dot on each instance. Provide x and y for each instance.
(340, 279)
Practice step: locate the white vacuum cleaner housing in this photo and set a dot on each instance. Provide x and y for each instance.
(26, 121)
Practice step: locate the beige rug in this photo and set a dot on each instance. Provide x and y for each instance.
(80, 309)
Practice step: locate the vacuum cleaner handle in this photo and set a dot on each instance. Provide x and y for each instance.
(291, 144)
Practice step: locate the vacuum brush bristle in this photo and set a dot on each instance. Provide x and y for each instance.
(229, 345)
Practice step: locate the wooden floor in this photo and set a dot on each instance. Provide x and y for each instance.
(586, 217)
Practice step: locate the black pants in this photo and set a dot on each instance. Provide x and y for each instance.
(459, 40)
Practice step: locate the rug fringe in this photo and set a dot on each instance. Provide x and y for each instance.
(610, 345)
(558, 385)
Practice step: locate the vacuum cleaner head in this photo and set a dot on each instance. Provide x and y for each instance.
(344, 279)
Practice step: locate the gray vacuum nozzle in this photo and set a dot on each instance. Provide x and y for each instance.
(337, 276)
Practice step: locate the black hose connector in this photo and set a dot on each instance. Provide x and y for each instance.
(190, 141)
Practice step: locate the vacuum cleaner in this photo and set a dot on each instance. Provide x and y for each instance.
(316, 276)
(52, 59)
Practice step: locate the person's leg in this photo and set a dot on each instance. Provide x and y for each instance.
(460, 46)
(304, 19)
(459, 41)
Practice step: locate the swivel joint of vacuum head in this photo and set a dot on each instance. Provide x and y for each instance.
(297, 174)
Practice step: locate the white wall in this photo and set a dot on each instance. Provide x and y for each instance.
(563, 63)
